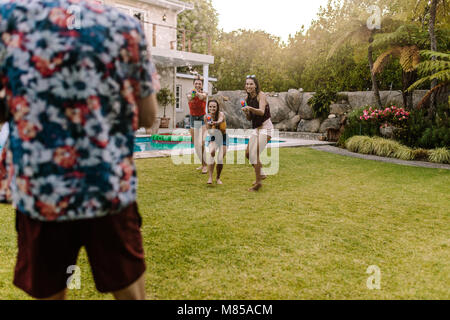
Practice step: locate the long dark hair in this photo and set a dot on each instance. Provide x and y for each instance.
(258, 88)
(216, 115)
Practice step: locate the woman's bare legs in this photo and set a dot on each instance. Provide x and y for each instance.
(211, 162)
(204, 166)
(197, 148)
(256, 145)
(136, 291)
(220, 165)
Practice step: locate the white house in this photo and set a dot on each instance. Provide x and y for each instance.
(159, 21)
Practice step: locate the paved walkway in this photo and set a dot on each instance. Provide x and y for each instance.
(344, 152)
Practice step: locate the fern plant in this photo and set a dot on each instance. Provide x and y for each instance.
(404, 43)
(321, 101)
(438, 69)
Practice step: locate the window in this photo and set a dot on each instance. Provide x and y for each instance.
(138, 14)
(134, 12)
(178, 91)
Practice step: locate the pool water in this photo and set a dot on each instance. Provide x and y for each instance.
(147, 144)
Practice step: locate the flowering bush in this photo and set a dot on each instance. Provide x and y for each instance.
(389, 116)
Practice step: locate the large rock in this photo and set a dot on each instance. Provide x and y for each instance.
(330, 124)
(294, 100)
(289, 124)
(361, 99)
(278, 108)
(340, 109)
(391, 98)
(312, 126)
(230, 102)
(284, 107)
(305, 111)
(367, 98)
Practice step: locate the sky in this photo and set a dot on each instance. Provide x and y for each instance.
(277, 17)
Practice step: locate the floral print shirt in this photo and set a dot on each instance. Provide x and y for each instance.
(73, 71)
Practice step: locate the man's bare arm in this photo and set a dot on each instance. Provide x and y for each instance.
(3, 107)
(148, 109)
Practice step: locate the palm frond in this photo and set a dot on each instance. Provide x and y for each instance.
(418, 83)
(441, 76)
(437, 89)
(358, 30)
(430, 66)
(428, 54)
(340, 42)
(384, 59)
(409, 58)
(405, 35)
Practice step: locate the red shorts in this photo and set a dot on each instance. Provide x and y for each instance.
(47, 249)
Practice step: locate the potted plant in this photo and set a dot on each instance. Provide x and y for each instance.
(165, 97)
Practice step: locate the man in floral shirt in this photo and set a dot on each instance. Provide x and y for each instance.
(78, 81)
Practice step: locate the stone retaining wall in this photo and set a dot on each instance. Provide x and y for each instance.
(291, 111)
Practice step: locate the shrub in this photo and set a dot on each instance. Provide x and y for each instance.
(404, 153)
(412, 132)
(321, 101)
(422, 132)
(385, 147)
(391, 115)
(435, 137)
(366, 146)
(353, 144)
(355, 127)
(440, 155)
(421, 154)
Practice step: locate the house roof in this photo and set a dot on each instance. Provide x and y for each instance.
(191, 77)
(175, 5)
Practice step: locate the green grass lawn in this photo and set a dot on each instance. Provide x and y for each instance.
(311, 233)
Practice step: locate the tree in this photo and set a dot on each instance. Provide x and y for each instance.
(404, 43)
(361, 33)
(433, 41)
(200, 23)
(243, 52)
(437, 69)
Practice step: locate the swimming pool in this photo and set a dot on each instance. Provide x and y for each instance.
(142, 144)
(147, 144)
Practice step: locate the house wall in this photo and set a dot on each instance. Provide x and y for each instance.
(153, 14)
(164, 37)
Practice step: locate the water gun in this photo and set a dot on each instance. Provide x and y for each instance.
(244, 104)
(209, 119)
(194, 93)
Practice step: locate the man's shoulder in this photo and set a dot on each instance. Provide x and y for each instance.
(74, 6)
